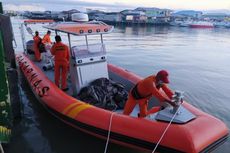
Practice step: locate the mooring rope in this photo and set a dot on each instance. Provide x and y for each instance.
(166, 129)
(108, 137)
(1, 148)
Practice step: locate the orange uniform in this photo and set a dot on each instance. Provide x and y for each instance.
(144, 90)
(61, 58)
(37, 53)
(46, 39)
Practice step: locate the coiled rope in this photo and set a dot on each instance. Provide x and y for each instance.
(166, 129)
(108, 136)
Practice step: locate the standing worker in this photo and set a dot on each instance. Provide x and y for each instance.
(48, 44)
(46, 39)
(61, 58)
(147, 88)
(37, 41)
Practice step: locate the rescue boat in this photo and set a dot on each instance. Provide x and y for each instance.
(185, 129)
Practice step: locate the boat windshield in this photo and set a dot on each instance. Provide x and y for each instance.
(91, 50)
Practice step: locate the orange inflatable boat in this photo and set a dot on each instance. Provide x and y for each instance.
(190, 131)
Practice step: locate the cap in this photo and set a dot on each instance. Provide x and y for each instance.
(163, 76)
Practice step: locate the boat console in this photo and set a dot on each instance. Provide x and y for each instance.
(87, 64)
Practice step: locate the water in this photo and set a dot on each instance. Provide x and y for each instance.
(198, 62)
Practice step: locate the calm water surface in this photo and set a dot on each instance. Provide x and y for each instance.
(198, 61)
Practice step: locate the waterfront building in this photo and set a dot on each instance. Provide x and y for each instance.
(156, 15)
(66, 15)
(95, 14)
(26, 14)
(36, 15)
(10, 12)
(133, 16)
(111, 17)
(54, 15)
(216, 16)
(139, 15)
(188, 14)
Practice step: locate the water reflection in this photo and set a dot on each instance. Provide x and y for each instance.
(140, 30)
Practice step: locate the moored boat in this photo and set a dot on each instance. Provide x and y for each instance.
(201, 24)
(186, 23)
(191, 130)
(219, 24)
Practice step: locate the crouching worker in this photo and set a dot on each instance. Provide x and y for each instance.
(61, 62)
(147, 88)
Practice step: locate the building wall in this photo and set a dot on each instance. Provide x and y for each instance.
(112, 17)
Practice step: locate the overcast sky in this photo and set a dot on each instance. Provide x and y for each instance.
(113, 5)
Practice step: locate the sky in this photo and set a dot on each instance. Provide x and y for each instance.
(113, 5)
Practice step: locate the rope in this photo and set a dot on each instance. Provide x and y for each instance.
(166, 129)
(1, 148)
(110, 125)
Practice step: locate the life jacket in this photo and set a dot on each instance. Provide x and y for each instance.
(46, 39)
(60, 51)
(136, 95)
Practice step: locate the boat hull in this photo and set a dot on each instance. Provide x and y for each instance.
(201, 26)
(199, 135)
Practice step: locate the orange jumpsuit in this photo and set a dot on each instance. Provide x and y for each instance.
(146, 89)
(37, 53)
(46, 39)
(61, 58)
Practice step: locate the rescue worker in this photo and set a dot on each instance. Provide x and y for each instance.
(37, 40)
(46, 39)
(147, 88)
(48, 44)
(61, 62)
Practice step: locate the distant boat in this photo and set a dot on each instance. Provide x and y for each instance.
(186, 23)
(176, 23)
(220, 24)
(201, 24)
(227, 25)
